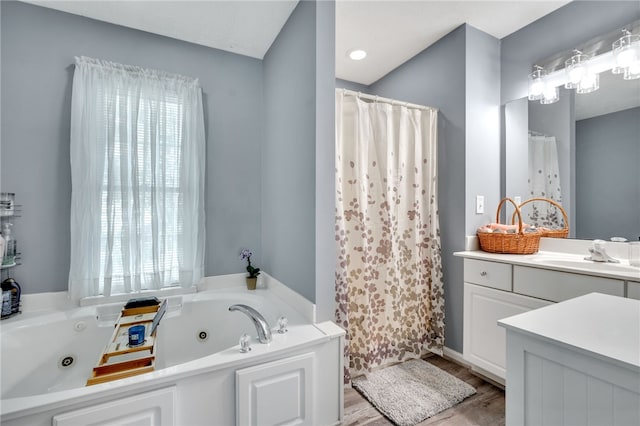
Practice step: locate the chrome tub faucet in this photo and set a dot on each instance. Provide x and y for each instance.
(262, 327)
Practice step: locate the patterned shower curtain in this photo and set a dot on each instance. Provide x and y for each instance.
(544, 181)
(389, 289)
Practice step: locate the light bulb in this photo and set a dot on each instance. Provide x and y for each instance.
(549, 95)
(590, 83)
(575, 68)
(536, 83)
(633, 71)
(537, 87)
(575, 75)
(626, 57)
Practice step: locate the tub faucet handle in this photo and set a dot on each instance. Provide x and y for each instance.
(245, 343)
(282, 324)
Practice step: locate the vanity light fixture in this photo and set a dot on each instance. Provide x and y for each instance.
(550, 95)
(627, 54)
(536, 83)
(576, 69)
(357, 54)
(582, 71)
(540, 89)
(590, 82)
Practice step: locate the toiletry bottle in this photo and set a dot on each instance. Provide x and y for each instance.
(10, 245)
(10, 297)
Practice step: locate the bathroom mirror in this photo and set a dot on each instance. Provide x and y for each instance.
(597, 152)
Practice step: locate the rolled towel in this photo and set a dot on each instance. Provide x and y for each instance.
(501, 226)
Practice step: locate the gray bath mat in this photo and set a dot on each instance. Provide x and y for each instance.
(410, 392)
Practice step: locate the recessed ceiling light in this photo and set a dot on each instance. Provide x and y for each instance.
(357, 54)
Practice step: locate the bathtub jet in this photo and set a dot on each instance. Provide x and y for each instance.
(262, 327)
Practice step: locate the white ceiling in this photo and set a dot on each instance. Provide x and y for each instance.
(391, 31)
(394, 31)
(246, 27)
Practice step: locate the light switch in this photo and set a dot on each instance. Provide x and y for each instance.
(479, 204)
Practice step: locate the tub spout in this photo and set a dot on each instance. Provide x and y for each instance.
(262, 327)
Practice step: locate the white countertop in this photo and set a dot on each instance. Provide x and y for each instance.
(559, 261)
(602, 325)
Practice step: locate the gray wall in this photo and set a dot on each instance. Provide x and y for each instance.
(436, 77)
(460, 75)
(482, 127)
(38, 49)
(608, 164)
(325, 160)
(351, 85)
(288, 153)
(517, 150)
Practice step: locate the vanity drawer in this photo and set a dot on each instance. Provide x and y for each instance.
(488, 274)
(633, 290)
(558, 286)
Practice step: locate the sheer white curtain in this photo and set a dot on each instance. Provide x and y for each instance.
(137, 172)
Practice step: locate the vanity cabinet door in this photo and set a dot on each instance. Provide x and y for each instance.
(484, 341)
(633, 290)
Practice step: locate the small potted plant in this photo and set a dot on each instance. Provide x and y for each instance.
(252, 279)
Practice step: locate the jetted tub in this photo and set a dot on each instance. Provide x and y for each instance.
(201, 377)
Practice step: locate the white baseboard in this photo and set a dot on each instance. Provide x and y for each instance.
(455, 356)
(458, 358)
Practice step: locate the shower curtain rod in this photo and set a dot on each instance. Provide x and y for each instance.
(385, 100)
(534, 133)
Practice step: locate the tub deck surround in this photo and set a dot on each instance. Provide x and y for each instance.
(38, 304)
(197, 348)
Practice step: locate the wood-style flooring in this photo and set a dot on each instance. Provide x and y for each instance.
(486, 407)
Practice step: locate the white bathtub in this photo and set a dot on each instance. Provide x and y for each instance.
(200, 377)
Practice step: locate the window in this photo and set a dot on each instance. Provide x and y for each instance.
(137, 153)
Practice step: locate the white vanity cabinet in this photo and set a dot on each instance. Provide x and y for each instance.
(633, 290)
(496, 290)
(485, 342)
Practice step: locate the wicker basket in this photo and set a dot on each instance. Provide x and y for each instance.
(550, 233)
(515, 243)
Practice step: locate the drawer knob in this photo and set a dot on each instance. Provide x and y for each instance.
(483, 274)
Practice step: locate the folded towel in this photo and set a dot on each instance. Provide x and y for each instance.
(504, 229)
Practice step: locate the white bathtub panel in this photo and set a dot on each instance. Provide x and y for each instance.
(279, 392)
(146, 409)
(207, 399)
